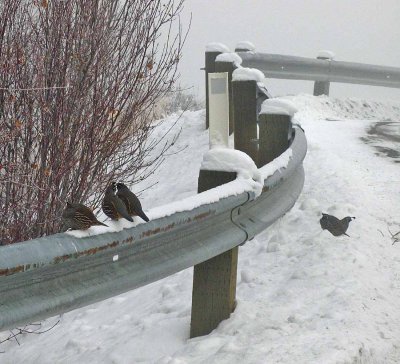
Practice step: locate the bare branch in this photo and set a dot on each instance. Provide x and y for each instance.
(78, 85)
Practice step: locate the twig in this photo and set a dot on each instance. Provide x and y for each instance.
(146, 188)
(25, 330)
(394, 236)
(178, 151)
(33, 88)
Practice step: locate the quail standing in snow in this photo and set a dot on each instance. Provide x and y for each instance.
(113, 206)
(79, 217)
(335, 226)
(131, 202)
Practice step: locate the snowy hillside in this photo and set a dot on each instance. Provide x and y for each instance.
(304, 296)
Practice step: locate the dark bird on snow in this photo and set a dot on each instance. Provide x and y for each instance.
(113, 206)
(131, 202)
(79, 217)
(335, 226)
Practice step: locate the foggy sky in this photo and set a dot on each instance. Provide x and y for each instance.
(366, 31)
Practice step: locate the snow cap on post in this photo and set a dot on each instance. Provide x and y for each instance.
(217, 47)
(326, 55)
(229, 57)
(247, 74)
(245, 46)
(278, 107)
(232, 160)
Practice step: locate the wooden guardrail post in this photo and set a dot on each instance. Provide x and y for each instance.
(322, 87)
(214, 281)
(245, 117)
(273, 133)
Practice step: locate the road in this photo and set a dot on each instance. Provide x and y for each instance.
(384, 136)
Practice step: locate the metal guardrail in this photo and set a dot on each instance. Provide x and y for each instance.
(59, 273)
(300, 68)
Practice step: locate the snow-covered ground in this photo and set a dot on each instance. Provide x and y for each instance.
(304, 296)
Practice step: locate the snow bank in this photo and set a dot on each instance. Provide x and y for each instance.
(216, 47)
(247, 74)
(229, 57)
(329, 108)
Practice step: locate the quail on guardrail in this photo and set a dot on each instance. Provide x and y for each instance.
(113, 206)
(335, 226)
(79, 217)
(131, 201)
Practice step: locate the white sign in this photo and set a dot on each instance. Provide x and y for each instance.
(218, 101)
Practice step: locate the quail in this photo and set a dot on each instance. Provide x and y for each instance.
(79, 217)
(131, 202)
(335, 226)
(113, 206)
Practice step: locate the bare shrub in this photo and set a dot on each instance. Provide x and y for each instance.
(78, 85)
(180, 99)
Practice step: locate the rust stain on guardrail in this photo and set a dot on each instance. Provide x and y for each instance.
(61, 258)
(9, 271)
(202, 216)
(148, 233)
(86, 252)
(92, 251)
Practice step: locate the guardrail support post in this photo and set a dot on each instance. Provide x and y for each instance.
(214, 281)
(245, 117)
(274, 136)
(228, 67)
(209, 67)
(322, 87)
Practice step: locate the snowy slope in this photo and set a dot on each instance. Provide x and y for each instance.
(303, 295)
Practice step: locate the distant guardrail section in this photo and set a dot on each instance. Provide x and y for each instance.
(301, 68)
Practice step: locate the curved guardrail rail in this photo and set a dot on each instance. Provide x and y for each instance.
(301, 68)
(59, 273)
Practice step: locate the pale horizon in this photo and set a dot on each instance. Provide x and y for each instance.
(355, 31)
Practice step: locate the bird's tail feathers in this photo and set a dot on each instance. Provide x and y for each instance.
(101, 223)
(143, 216)
(126, 216)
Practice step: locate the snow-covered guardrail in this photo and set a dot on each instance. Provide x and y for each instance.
(58, 273)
